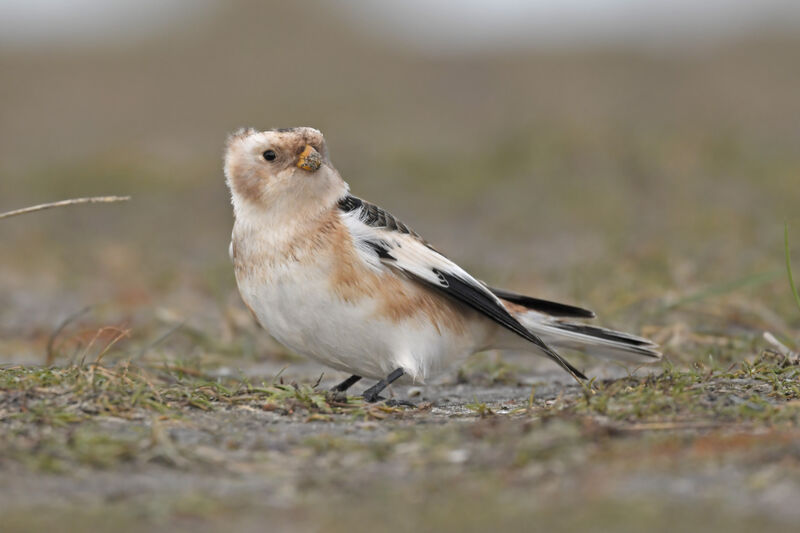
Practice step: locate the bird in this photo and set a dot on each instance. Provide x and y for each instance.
(344, 282)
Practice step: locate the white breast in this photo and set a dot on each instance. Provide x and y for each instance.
(296, 304)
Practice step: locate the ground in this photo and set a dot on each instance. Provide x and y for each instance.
(166, 448)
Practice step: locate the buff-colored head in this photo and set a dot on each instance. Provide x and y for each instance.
(280, 168)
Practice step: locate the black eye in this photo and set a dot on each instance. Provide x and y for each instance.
(270, 155)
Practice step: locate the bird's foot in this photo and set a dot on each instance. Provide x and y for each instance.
(388, 402)
(391, 402)
(372, 397)
(372, 394)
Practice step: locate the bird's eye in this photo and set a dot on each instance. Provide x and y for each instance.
(270, 155)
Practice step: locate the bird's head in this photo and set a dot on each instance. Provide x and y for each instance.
(280, 167)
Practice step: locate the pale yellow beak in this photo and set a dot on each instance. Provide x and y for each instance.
(309, 159)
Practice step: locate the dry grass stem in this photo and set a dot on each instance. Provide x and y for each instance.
(64, 203)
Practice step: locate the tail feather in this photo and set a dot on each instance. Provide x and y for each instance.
(593, 340)
(604, 333)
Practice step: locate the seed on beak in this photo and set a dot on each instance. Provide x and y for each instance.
(309, 159)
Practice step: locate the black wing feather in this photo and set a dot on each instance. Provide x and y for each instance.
(543, 306)
(480, 301)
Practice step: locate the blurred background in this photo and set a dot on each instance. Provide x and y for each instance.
(636, 158)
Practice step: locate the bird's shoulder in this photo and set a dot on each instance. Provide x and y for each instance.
(376, 217)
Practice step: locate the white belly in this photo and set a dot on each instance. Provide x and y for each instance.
(297, 306)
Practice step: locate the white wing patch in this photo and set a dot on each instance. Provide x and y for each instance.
(407, 254)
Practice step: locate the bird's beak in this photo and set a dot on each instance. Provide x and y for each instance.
(309, 159)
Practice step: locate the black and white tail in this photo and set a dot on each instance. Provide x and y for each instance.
(593, 340)
(550, 321)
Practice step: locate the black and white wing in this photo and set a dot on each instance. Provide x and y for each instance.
(385, 241)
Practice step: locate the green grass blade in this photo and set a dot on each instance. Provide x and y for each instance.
(789, 264)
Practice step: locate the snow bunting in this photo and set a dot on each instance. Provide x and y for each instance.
(344, 282)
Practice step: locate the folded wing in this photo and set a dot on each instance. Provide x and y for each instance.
(384, 240)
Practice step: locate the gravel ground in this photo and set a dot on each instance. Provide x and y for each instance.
(470, 455)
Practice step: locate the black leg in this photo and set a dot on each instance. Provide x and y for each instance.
(372, 394)
(346, 384)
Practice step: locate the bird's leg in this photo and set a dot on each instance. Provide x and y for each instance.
(372, 394)
(346, 384)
